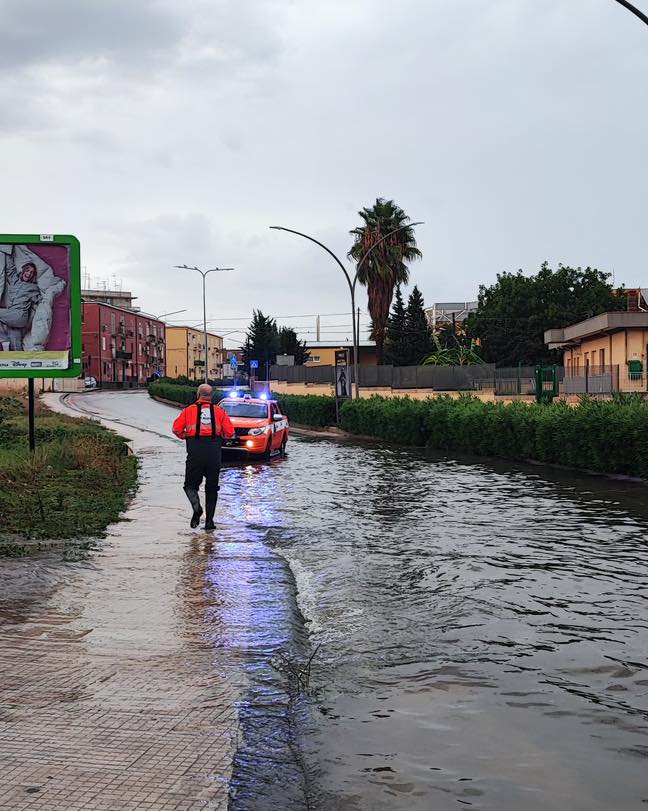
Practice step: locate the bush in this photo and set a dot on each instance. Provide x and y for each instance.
(603, 436)
(308, 409)
(181, 394)
(10, 407)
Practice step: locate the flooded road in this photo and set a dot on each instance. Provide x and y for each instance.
(483, 628)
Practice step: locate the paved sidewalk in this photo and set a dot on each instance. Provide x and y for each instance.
(110, 697)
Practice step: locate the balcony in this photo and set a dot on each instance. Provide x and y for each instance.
(199, 363)
(121, 354)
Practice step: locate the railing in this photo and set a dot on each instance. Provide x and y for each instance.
(519, 380)
(592, 380)
(438, 378)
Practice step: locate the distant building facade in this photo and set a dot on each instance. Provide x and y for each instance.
(449, 314)
(185, 353)
(322, 353)
(608, 352)
(121, 347)
(116, 298)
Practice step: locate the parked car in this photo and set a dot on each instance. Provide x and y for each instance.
(90, 383)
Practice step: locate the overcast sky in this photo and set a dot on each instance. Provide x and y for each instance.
(169, 132)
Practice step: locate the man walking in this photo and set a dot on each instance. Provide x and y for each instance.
(203, 425)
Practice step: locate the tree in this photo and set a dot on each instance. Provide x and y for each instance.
(513, 314)
(385, 267)
(262, 341)
(289, 344)
(396, 343)
(419, 335)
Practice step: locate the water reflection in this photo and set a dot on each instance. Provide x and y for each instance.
(484, 629)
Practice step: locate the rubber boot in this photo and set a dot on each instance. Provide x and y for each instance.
(194, 500)
(210, 509)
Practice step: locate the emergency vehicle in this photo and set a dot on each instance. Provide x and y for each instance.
(260, 427)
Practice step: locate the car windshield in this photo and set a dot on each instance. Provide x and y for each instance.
(241, 409)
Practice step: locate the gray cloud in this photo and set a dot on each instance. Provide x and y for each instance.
(515, 129)
(73, 31)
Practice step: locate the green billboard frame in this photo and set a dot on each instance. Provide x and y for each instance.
(76, 365)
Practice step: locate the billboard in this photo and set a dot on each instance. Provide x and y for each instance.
(40, 306)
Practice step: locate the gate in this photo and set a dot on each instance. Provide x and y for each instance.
(546, 379)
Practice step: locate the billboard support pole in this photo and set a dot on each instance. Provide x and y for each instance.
(32, 425)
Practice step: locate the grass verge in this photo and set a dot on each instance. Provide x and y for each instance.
(76, 483)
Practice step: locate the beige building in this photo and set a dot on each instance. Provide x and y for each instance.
(322, 353)
(608, 350)
(185, 353)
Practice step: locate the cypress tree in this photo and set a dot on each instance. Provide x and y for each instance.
(418, 333)
(396, 342)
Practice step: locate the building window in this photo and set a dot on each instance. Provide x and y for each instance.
(602, 357)
(314, 359)
(103, 343)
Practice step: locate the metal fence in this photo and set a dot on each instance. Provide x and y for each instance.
(438, 378)
(519, 380)
(595, 380)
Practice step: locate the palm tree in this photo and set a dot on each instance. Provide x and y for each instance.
(385, 267)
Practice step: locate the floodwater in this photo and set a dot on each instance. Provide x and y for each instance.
(479, 630)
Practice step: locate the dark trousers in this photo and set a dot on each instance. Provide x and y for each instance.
(203, 462)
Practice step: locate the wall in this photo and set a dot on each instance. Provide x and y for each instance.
(17, 386)
(415, 394)
(619, 348)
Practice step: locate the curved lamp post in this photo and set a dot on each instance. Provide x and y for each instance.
(204, 273)
(350, 282)
(634, 10)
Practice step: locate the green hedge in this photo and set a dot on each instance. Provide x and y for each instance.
(308, 409)
(184, 395)
(605, 436)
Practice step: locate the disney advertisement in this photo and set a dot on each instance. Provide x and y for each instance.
(36, 318)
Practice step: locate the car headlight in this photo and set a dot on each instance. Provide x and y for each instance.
(256, 431)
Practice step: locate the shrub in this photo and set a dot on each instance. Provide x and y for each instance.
(310, 409)
(181, 394)
(604, 436)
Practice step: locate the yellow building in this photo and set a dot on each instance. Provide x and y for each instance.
(322, 353)
(607, 351)
(185, 353)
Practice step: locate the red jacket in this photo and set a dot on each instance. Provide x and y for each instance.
(198, 413)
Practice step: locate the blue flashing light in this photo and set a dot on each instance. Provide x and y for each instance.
(233, 395)
(264, 396)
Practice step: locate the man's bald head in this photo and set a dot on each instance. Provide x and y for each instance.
(204, 391)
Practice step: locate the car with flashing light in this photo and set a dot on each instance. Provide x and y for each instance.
(260, 427)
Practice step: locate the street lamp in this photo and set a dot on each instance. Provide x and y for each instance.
(351, 283)
(164, 315)
(204, 273)
(634, 10)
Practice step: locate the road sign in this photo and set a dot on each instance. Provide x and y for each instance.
(233, 362)
(254, 364)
